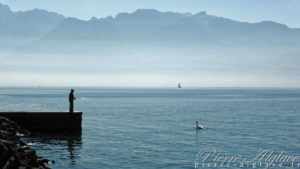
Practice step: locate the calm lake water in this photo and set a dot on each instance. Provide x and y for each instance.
(155, 128)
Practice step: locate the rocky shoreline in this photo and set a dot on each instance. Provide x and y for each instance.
(13, 152)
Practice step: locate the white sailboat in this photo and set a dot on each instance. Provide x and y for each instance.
(179, 86)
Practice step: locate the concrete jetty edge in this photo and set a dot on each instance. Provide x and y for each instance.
(54, 122)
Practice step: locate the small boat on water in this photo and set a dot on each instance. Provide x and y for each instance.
(179, 86)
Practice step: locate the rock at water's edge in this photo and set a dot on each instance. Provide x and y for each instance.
(13, 154)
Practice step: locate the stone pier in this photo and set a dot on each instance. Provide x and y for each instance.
(52, 122)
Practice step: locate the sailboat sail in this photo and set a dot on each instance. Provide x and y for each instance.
(179, 86)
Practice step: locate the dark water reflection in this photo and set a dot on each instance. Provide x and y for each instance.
(62, 146)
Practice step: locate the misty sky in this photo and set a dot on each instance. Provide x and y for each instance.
(282, 11)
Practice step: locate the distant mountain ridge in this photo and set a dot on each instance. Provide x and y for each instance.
(40, 31)
(33, 23)
(145, 23)
(142, 24)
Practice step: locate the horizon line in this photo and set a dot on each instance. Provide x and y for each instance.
(157, 87)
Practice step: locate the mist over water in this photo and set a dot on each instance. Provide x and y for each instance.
(150, 66)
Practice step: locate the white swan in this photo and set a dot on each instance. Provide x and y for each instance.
(199, 126)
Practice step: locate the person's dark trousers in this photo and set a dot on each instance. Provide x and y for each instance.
(71, 107)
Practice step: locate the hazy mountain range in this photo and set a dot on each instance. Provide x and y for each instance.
(148, 41)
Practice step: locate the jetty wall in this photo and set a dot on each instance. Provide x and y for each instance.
(54, 122)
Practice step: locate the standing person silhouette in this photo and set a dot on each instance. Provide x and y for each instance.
(71, 99)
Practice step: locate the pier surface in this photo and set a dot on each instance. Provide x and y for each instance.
(54, 122)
